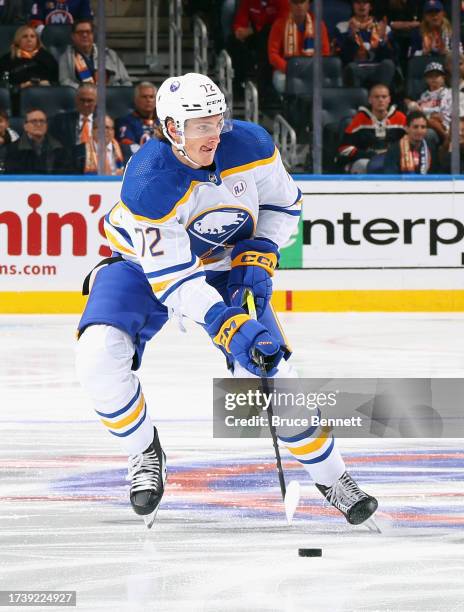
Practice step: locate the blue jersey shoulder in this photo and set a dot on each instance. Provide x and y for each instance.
(244, 144)
(152, 186)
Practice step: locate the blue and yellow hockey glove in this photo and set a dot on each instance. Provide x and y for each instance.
(234, 330)
(253, 264)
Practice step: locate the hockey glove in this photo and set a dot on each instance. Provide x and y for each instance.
(243, 338)
(253, 264)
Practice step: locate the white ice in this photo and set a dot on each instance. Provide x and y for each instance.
(221, 542)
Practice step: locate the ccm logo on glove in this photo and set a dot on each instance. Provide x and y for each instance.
(268, 261)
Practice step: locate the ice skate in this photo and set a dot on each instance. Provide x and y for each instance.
(147, 472)
(345, 495)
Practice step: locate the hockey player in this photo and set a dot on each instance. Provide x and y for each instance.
(203, 210)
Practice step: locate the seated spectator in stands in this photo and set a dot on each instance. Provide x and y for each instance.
(116, 155)
(434, 35)
(403, 16)
(371, 130)
(411, 154)
(293, 36)
(75, 127)
(248, 43)
(28, 64)
(138, 127)
(435, 102)
(7, 136)
(36, 152)
(12, 12)
(364, 46)
(79, 62)
(448, 68)
(45, 12)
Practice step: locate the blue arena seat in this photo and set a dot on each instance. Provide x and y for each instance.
(52, 100)
(56, 37)
(119, 101)
(5, 103)
(7, 33)
(300, 75)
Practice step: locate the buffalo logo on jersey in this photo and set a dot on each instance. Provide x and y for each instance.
(214, 230)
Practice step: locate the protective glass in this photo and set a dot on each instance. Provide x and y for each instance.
(206, 127)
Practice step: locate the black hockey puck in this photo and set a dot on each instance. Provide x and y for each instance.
(310, 552)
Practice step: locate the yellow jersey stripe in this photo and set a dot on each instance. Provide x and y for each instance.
(172, 212)
(312, 446)
(128, 419)
(250, 166)
(116, 244)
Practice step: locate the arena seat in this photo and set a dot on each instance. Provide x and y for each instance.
(119, 101)
(56, 37)
(300, 75)
(415, 83)
(7, 33)
(343, 102)
(52, 100)
(5, 103)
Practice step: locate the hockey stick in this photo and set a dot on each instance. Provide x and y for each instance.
(290, 494)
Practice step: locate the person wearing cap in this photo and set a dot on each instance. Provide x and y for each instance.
(435, 102)
(434, 34)
(411, 154)
(293, 36)
(364, 46)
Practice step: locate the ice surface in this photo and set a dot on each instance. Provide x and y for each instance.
(221, 541)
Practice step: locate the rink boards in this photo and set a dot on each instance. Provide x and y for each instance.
(381, 244)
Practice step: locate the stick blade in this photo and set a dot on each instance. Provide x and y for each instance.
(292, 499)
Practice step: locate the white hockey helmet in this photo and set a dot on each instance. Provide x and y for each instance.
(190, 96)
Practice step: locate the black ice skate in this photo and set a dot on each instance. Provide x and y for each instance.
(147, 472)
(346, 496)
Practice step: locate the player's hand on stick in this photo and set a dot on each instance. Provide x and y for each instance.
(246, 340)
(253, 264)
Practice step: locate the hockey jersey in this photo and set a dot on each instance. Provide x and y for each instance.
(59, 11)
(180, 224)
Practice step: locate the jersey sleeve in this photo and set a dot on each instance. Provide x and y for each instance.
(161, 246)
(280, 200)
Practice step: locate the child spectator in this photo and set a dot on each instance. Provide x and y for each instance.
(371, 130)
(293, 36)
(411, 154)
(138, 127)
(27, 64)
(364, 46)
(79, 62)
(435, 102)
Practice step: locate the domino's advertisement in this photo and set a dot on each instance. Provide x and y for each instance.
(51, 232)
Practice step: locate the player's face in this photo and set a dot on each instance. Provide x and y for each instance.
(417, 130)
(202, 137)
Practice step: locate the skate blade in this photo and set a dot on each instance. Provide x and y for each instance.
(292, 499)
(149, 519)
(372, 525)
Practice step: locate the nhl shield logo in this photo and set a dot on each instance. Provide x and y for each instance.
(214, 230)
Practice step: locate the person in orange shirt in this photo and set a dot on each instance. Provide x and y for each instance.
(293, 36)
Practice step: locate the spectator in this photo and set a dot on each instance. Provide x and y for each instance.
(79, 62)
(435, 102)
(27, 64)
(445, 150)
(75, 127)
(45, 12)
(248, 43)
(11, 12)
(411, 154)
(138, 127)
(116, 155)
(369, 133)
(293, 36)
(36, 152)
(448, 68)
(434, 35)
(7, 136)
(364, 47)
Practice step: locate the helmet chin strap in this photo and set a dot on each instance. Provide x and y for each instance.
(180, 146)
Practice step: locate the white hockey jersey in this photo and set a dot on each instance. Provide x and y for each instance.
(180, 223)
